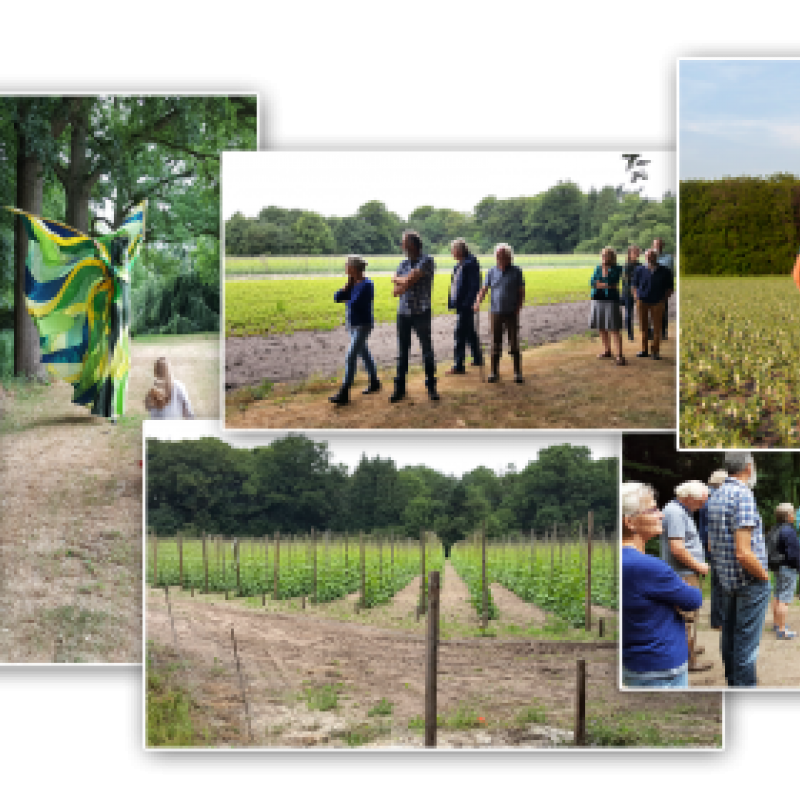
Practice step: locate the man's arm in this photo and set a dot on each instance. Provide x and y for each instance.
(521, 300)
(679, 552)
(479, 299)
(746, 557)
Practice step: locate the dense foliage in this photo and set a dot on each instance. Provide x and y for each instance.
(740, 226)
(560, 220)
(293, 486)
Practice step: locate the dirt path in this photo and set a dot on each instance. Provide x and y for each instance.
(70, 534)
(778, 662)
(514, 609)
(454, 603)
(290, 661)
(566, 386)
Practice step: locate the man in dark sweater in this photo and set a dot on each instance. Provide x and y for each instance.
(464, 287)
(652, 285)
(786, 572)
(668, 262)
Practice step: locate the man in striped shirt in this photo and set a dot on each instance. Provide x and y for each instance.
(739, 557)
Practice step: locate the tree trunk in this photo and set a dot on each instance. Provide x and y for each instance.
(30, 192)
(77, 182)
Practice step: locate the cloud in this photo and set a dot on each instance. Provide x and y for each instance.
(782, 133)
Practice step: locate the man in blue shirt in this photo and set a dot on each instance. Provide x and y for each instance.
(413, 284)
(464, 286)
(508, 294)
(739, 557)
(668, 262)
(652, 285)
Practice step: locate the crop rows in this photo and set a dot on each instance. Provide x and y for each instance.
(739, 382)
(255, 308)
(299, 265)
(322, 570)
(551, 575)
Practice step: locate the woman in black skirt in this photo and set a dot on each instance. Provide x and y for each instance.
(605, 315)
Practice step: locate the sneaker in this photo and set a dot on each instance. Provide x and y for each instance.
(787, 634)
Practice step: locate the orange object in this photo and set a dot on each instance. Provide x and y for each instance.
(481, 719)
(796, 271)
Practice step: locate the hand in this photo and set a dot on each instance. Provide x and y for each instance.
(476, 307)
(703, 569)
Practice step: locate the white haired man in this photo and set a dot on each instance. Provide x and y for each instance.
(739, 557)
(714, 482)
(682, 549)
(508, 294)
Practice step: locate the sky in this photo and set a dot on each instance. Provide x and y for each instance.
(738, 117)
(337, 183)
(447, 452)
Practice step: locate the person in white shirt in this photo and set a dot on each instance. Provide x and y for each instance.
(167, 399)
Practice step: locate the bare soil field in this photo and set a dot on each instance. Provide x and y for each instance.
(71, 528)
(494, 690)
(566, 386)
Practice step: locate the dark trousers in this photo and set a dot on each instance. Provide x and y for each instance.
(630, 311)
(421, 325)
(664, 318)
(465, 335)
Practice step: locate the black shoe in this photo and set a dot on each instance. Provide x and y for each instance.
(643, 354)
(374, 386)
(519, 379)
(492, 378)
(656, 356)
(432, 393)
(341, 398)
(478, 363)
(399, 391)
(456, 371)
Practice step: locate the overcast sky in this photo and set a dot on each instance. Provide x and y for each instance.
(738, 117)
(449, 453)
(337, 183)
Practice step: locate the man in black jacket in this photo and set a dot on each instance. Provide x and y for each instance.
(787, 549)
(464, 286)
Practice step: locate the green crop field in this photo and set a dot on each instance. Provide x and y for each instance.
(322, 570)
(549, 575)
(739, 379)
(258, 307)
(298, 265)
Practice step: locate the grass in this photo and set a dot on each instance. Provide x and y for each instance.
(322, 698)
(383, 708)
(175, 338)
(255, 308)
(534, 714)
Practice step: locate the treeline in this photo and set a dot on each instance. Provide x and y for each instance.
(562, 219)
(292, 486)
(740, 226)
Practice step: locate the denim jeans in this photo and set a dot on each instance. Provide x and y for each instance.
(680, 680)
(421, 325)
(743, 613)
(465, 335)
(358, 347)
(716, 594)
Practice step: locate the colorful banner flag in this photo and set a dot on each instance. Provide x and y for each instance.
(77, 289)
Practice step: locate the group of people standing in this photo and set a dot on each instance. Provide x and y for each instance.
(413, 285)
(662, 597)
(645, 287)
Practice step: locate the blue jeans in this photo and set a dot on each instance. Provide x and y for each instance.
(743, 614)
(358, 347)
(465, 335)
(421, 325)
(716, 594)
(678, 681)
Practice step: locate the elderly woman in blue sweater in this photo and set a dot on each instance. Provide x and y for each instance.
(359, 295)
(654, 648)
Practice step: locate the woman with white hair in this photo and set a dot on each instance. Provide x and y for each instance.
(167, 399)
(783, 554)
(508, 295)
(605, 314)
(654, 648)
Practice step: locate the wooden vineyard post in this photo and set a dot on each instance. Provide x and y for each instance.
(205, 559)
(266, 571)
(276, 562)
(484, 585)
(552, 555)
(533, 547)
(363, 599)
(431, 652)
(589, 526)
(380, 560)
(224, 569)
(180, 560)
(580, 704)
(314, 574)
(423, 600)
(241, 685)
(346, 540)
(238, 573)
(391, 554)
(155, 560)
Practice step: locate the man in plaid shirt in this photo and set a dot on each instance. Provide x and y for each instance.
(739, 558)
(413, 284)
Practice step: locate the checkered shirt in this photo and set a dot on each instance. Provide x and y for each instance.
(417, 298)
(731, 507)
